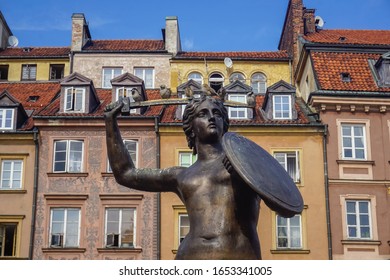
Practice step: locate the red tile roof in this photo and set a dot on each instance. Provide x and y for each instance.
(125, 45)
(22, 92)
(234, 55)
(45, 93)
(36, 52)
(105, 97)
(350, 37)
(328, 67)
(169, 116)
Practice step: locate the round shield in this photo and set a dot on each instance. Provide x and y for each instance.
(264, 174)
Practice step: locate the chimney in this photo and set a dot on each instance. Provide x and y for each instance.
(172, 35)
(298, 21)
(309, 24)
(80, 32)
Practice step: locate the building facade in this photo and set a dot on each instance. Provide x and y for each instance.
(343, 76)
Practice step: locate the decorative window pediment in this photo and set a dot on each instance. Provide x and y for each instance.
(279, 102)
(129, 85)
(237, 91)
(78, 94)
(191, 87)
(12, 113)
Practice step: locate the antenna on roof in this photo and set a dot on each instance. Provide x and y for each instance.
(12, 41)
(228, 62)
(319, 22)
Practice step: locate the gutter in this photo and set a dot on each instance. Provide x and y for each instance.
(35, 191)
(158, 156)
(326, 177)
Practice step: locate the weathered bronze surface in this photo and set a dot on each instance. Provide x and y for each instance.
(222, 205)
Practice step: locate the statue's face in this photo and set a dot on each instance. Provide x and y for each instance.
(208, 122)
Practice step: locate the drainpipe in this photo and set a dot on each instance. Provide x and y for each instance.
(35, 191)
(156, 129)
(71, 62)
(327, 194)
(291, 72)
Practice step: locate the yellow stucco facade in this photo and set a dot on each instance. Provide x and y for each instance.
(43, 67)
(309, 142)
(273, 70)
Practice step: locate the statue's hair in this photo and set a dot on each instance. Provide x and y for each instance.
(189, 115)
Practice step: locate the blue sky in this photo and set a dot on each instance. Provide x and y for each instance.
(205, 25)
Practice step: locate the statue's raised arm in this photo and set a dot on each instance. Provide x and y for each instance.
(123, 168)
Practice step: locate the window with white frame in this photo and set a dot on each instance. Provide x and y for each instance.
(7, 119)
(120, 227)
(146, 74)
(186, 159)
(8, 234)
(288, 232)
(358, 219)
(68, 156)
(259, 83)
(282, 107)
(11, 174)
(74, 100)
(29, 72)
(237, 76)
(184, 226)
(109, 74)
(237, 112)
(125, 92)
(290, 162)
(64, 227)
(195, 76)
(132, 148)
(353, 141)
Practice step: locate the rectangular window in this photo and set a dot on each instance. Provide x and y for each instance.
(358, 219)
(184, 226)
(238, 113)
(120, 227)
(290, 162)
(7, 239)
(57, 71)
(74, 99)
(4, 72)
(146, 74)
(132, 148)
(11, 174)
(186, 159)
(108, 75)
(29, 72)
(64, 227)
(68, 156)
(289, 232)
(6, 119)
(353, 141)
(282, 106)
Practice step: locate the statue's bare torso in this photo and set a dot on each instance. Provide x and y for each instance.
(223, 213)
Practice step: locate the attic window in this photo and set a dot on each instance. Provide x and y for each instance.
(33, 98)
(27, 49)
(342, 39)
(345, 77)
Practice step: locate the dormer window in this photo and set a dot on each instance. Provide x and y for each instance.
(125, 92)
(239, 112)
(381, 70)
(282, 106)
(6, 119)
(75, 100)
(345, 77)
